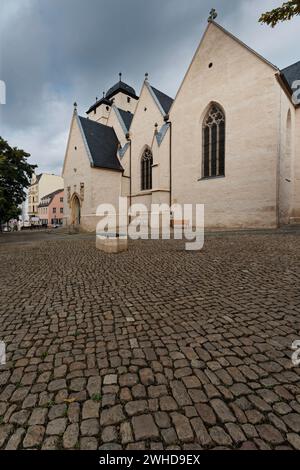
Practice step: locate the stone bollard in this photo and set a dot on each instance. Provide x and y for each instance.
(111, 243)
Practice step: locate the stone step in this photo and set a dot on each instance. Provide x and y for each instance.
(291, 227)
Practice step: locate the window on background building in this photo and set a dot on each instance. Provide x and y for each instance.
(54, 210)
(214, 142)
(146, 170)
(61, 199)
(61, 210)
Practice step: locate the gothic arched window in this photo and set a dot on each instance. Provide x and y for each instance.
(146, 169)
(214, 142)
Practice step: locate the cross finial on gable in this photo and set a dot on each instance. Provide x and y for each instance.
(212, 15)
(146, 76)
(75, 107)
(120, 76)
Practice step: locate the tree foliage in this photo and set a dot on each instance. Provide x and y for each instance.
(15, 176)
(284, 13)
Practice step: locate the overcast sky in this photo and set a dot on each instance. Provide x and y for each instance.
(53, 52)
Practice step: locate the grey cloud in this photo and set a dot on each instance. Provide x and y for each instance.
(55, 51)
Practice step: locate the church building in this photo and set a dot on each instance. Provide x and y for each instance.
(229, 140)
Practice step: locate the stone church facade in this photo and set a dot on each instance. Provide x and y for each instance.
(229, 140)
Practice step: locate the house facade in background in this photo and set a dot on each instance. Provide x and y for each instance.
(230, 140)
(41, 185)
(51, 208)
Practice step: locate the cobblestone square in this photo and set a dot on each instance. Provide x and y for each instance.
(155, 348)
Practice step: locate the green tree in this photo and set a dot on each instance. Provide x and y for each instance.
(284, 13)
(15, 176)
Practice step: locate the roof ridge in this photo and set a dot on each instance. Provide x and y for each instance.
(124, 110)
(52, 194)
(122, 87)
(102, 100)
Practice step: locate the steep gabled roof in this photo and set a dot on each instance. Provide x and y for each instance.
(126, 117)
(102, 144)
(164, 100)
(291, 73)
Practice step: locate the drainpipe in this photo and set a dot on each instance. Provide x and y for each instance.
(278, 172)
(130, 163)
(167, 120)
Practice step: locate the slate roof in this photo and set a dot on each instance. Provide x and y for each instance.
(102, 143)
(127, 117)
(123, 88)
(291, 73)
(165, 100)
(49, 196)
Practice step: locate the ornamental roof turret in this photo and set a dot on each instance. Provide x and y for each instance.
(121, 87)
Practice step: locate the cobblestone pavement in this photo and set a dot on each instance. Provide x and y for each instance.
(154, 348)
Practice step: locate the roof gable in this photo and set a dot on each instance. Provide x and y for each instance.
(147, 102)
(259, 56)
(212, 24)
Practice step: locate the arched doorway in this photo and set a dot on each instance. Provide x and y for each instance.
(75, 210)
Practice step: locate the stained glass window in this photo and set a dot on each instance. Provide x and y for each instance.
(146, 170)
(214, 142)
